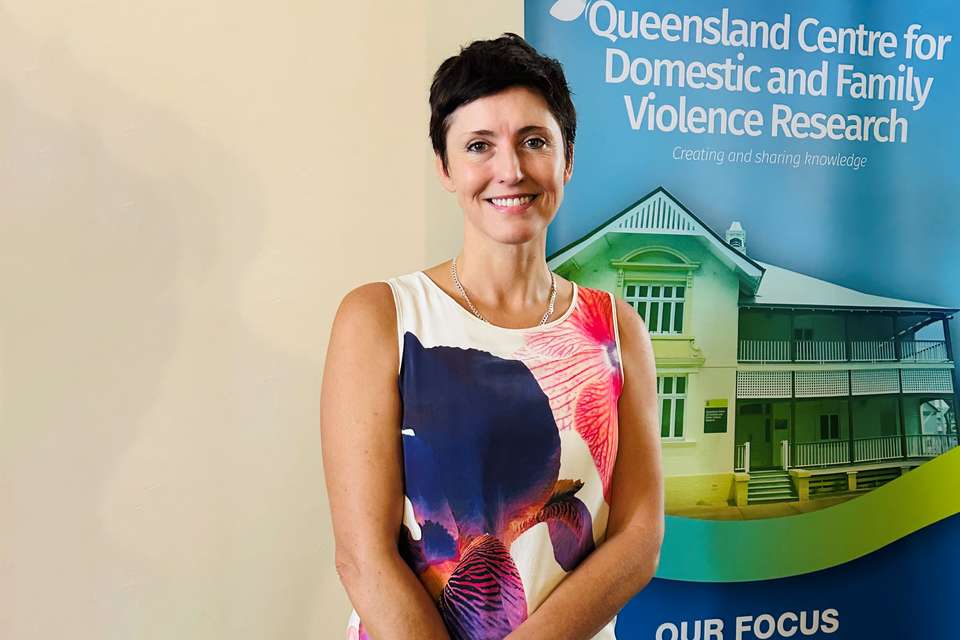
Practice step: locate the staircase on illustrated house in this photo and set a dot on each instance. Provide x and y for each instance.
(773, 485)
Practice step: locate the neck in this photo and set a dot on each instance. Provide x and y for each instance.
(510, 277)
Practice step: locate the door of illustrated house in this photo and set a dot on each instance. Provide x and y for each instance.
(781, 430)
(755, 424)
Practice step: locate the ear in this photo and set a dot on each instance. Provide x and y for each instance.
(568, 170)
(445, 179)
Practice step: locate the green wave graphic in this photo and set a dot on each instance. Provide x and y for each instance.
(723, 551)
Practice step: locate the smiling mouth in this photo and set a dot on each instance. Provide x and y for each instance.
(513, 202)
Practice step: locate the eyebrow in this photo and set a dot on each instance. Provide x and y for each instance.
(523, 130)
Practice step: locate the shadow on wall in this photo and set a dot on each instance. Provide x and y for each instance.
(151, 449)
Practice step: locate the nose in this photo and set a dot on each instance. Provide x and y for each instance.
(508, 167)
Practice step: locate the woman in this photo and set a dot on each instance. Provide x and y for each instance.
(490, 429)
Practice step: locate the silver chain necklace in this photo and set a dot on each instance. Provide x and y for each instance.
(476, 312)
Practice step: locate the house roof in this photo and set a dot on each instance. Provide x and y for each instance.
(784, 288)
(763, 285)
(660, 212)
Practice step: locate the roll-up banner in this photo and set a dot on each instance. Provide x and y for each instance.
(774, 187)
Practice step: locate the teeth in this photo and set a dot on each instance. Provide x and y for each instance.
(511, 202)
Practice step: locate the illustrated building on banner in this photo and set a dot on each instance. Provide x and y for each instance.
(773, 385)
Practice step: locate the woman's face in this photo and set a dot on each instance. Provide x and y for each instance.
(505, 162)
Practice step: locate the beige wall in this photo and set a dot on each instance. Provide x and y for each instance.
(182, 183)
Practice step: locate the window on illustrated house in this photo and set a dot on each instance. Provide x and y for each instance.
(660, 305)
(672, 394)
(830, 427)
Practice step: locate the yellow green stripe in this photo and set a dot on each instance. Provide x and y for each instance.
(723, 551)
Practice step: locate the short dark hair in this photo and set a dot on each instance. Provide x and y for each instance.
(486, 67)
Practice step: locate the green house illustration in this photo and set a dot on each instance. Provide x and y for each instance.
(773, 385)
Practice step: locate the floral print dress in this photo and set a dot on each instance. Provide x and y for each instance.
(509, 440)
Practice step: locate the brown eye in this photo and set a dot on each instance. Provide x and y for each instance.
(535, 143)
(477, 147)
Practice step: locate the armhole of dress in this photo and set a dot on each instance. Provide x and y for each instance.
(396, 304)
(616, 334)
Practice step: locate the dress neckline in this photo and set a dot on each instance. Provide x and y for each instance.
(575, 298)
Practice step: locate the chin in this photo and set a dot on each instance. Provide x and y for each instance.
(515, 236)
(509, 231)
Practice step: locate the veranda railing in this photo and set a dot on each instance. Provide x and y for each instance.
(873, 351)
(825, 453)
(923, 351)
(822, 453)
(842, 351)
(764, 351)
(821, 350)
(877, 449)
(930, 445)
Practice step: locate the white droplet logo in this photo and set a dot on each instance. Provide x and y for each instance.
(568, 10)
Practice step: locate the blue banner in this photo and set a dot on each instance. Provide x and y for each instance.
(773, 187)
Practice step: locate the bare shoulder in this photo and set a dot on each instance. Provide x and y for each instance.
(636, 349)
(368, 307)
(631, 325)
(371, 299)
(365, 325)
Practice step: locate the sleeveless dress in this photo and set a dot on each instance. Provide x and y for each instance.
(509, 440)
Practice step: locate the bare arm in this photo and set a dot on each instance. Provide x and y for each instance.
(623, 564)
(362, 459)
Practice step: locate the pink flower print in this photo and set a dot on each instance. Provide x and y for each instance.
(577, 366)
